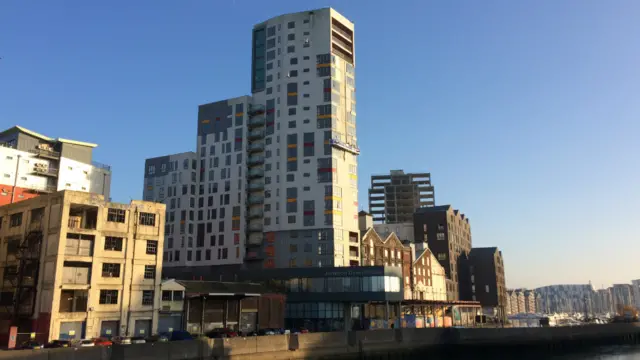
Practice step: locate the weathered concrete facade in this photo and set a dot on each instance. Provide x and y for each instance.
(75, 266)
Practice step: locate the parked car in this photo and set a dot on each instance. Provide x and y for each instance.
(221, 333)
(30, 345)
(121, 340)
(263, 332)
(58, 344)
(85, 343)
(164, 337)
(138, 340)
(101, 341)
(179, 335)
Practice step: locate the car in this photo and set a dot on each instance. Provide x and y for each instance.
(30, 345)
(121, 340)
(221, 333)
(86, 343)
(179, 335)
(58, 344)
(102, 341)
(138, 340)
(158, 338)
(263, 332)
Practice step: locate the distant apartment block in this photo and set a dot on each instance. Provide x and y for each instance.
(622, 295)
(635, 284)
(574, 298)
(74, 266)
(395, 197)
(486, 271)
(602, 301)
(275, 172)
(448, 234)
(33, 164)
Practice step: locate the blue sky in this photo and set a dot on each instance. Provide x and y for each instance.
(525, 112)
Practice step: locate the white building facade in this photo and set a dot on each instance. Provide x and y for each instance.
(32, 164)
(276, 172)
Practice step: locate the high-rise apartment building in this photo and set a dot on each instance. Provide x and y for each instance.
(395, 197)
(622, 295)
(448, 234)
(32, 164)
(172, 180)
(486, 270)
(276, 172)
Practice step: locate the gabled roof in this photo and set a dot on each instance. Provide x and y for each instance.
(391, 238)
(46, 138)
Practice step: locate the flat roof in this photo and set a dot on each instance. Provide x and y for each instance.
(46, 138)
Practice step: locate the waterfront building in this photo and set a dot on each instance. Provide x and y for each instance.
(529, 301)
(76, 266)
(622, 295)
(565, 298)
(448, 234)
(636, 292)
(33, 164)
(276, 171)
(486, 271)
(395, 197)
(603, 301)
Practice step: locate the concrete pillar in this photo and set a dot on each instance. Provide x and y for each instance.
(347, 316)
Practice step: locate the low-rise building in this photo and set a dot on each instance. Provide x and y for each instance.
(76, 266)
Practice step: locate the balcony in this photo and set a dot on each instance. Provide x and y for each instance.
(43, 188)
(256, 121)
(255, 160)
(353, 237)
(256, 200)
(255, 240)
(255, 213)
(44, 170)
(255, 227)
(46, 153)
(256, 173)
(256, 134)
(256, 147)
(253, 255)
(353, 251)
(256, 109)
(256, 186)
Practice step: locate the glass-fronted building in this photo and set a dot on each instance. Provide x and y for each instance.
(331, 299)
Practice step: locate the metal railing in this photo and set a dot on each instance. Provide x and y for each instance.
(342, 32)
(101, 165)
(45, 153)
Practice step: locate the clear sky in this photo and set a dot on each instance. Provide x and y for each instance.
(526, 113)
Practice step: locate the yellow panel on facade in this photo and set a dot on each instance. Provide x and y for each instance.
(204, 121)
(291, 146)
(328, 116)
(292, 199)
(239, 114)
(292, 159)
(323, 65)
(353, 176)
(332, 198)
(149, 187)
(235, 218)
(334, 212)
(292, 94)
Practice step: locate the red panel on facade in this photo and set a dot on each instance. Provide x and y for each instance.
(21, 194)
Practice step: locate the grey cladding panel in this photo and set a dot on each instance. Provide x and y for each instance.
(77, 152)
(157, 162)
(214, 118)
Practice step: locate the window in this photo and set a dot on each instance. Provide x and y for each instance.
(293, 73)
(291, 49)
(147, 219)
(147, 297)
(152, 247)
(207, 254)
(115, 215)
(291, 25)
(440, 236)
(442, 256)
(109, 297)
(149, 271)
(166, 295)
(113, 243)
(486, 288)
(291, 37)
(291, 219)
(15, 220)
(110, 270)
(293, 61)
(292, 111)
